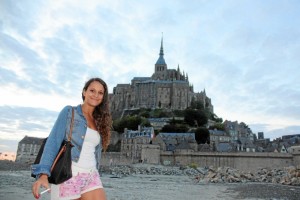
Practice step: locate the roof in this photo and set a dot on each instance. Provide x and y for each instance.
(158, 119)
(204, 147)
(217, 132)
(179, 135)
(161, 61)
(163, 81)
(31, 140)
(183, 145)
(123, 85)
(145, 132)
(224, 147)
(141, 78)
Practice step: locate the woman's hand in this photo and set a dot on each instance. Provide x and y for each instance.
(41, 182)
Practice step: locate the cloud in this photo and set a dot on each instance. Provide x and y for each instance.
(8, 145)
(274, 132)
(244, 54)
(17, 122)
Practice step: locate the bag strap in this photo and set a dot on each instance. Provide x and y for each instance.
(63, 149)
(71, 126)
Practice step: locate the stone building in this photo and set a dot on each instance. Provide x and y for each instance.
(166, 88)
(28, 149)
(150, 154)
(133, 141)
(238, 130)
(218, 136)
(176, 142)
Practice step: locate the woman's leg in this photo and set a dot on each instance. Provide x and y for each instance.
(97, 194)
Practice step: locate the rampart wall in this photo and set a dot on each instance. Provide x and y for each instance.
(115, 158)
(244, 161)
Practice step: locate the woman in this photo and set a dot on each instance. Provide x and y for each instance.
(91, 134)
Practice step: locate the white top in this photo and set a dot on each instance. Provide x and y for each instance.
(87, 161)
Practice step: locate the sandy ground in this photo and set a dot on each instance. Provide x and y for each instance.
(17, 185)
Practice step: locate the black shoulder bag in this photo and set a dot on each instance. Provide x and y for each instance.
(61, 169)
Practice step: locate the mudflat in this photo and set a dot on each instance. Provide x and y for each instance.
(15, 185)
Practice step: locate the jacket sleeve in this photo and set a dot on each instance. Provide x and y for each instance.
(52, 146)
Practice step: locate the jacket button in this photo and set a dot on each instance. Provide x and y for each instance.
(82, 137)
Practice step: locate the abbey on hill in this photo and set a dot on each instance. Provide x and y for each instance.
(165, 89)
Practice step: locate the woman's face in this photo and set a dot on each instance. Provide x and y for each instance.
(94, 94)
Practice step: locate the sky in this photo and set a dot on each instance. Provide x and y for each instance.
(243, 53)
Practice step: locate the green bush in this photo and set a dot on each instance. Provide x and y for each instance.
(193, 165)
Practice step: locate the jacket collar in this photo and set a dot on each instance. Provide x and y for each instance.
(79, 110)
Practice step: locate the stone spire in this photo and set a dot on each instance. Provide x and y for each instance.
(161, 60)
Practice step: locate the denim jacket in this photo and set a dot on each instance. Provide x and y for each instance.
(60, 132)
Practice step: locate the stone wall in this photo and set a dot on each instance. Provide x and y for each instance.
(243, 160)
(296, 155)
(150, 154)
(115, 158)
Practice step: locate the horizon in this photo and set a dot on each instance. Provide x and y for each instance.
(244, 54)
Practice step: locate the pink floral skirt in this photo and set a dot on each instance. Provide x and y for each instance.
(73, 188)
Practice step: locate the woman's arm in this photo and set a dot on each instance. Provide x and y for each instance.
(53, 143)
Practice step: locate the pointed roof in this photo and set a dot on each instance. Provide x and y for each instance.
(204, 147)
(161, 60)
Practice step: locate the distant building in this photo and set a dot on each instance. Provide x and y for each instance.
(232, 129)
(238, 130)
(218, 136)
(206, 147)
(283, 149)
(288, 137)
(28, 149)
(165, 89)
(224, 147)
(133, 141)
(262, 142)
(295, 149)
(260, 135)
(176, 141)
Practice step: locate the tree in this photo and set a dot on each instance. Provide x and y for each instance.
(196, 104)
(202, 135)
(195, 117)
(159, 113)
(218, 126)
(216, 118)
(173, 128)
(130, 122)
(144, 113)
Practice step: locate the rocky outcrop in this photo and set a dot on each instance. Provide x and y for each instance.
(286, 176)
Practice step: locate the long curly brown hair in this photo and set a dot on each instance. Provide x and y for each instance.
(101, 113)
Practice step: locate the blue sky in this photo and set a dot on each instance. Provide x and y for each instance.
(245, 54)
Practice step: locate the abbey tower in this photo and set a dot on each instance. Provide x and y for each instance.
(166, 88)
